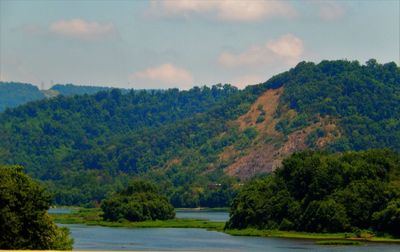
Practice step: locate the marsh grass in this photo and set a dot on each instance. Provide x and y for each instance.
(284, 234)
(338, 242)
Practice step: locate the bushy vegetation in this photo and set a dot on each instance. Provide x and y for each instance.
(317, 192)
(140, 201)
(24, 222)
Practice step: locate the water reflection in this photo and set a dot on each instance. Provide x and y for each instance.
(190, 239)
(218, 216)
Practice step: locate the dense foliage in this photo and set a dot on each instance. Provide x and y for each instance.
(13, 94)
(318, 192)
(92, 142)
(140, 201)
(364, 99)
(84, 146)
(24, 222)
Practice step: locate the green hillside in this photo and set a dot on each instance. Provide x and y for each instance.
(199, 144)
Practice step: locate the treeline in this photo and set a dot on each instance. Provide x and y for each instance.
(71, 89)
(317, 192)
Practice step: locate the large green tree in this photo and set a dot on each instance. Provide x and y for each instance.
(24, 222)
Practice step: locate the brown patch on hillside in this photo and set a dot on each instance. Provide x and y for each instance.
(332, 133)
(297, 140)
(268, 101)
(259, 159)
(228, 153)
(261, 156)
(172, 162)
(271, 147)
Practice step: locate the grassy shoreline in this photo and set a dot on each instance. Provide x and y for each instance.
(313, 236)
(93, 217)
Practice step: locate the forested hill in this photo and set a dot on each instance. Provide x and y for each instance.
(197, 144)
(13, 94)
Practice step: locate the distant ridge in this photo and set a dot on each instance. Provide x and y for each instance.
(71, 89)
(13, 94)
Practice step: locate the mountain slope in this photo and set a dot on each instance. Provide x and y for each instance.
(335, 105)
(198, 143)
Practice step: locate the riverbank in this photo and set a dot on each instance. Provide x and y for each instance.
(92, 216)
(367, 237)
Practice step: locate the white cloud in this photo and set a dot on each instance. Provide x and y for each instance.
(287, 49)
(165, 75)
(245, 80)
(79, 28)
(330, 10)
(225, 10)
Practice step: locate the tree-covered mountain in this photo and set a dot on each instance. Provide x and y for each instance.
(198, 144)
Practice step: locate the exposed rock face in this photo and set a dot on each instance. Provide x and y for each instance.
(270, 147)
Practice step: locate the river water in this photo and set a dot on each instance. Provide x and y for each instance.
(218, 216)
(192, 239)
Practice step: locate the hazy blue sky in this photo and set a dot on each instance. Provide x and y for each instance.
(159, 44)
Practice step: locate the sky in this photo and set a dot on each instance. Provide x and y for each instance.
(186, 43)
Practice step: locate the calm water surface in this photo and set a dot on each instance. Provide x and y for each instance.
(60, 210)
(219, 216)
(192, 239)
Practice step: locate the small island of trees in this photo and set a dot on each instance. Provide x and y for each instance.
(140, 201)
